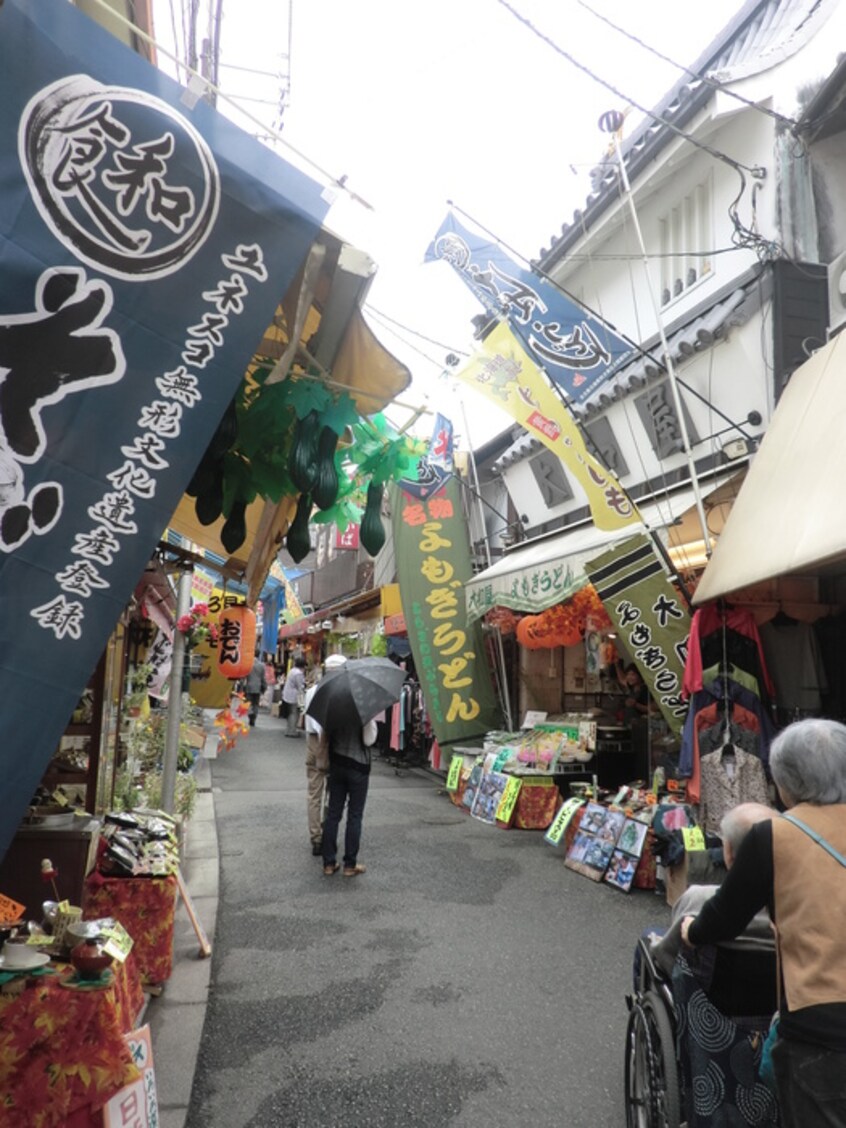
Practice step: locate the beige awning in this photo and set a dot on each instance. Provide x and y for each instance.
(789, 514)
(550, 570)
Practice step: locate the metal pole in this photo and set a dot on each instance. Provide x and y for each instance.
(500, 652)
(174, 698)
(668, 360)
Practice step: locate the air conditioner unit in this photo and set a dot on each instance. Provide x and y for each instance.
(837, 294)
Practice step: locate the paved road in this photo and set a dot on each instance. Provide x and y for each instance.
(468, 979)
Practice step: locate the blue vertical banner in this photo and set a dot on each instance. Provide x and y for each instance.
(577, 351)
(144, 248)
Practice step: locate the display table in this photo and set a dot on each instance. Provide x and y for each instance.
(146, 907)
(62, 1051)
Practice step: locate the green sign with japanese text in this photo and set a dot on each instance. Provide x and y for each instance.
(433, 564)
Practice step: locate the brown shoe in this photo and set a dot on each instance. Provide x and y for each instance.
(329, 870)
(353, 871)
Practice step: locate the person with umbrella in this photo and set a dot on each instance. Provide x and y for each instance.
(317, 763)
(344, 705)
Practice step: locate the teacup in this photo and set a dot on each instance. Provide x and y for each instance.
(16, 954)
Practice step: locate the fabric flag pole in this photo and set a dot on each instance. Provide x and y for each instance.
(503, 372)
(433, 564)
(652, 621)
(145, 248)
(577, 350)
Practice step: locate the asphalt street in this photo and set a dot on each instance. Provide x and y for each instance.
(467, 979)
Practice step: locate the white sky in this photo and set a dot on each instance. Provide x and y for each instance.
(417, 104)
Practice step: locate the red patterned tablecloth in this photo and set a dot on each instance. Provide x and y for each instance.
(62, 1051)
(537, 803)
(145, 906)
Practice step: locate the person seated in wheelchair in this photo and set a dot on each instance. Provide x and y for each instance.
(738, 976)
(723, 998)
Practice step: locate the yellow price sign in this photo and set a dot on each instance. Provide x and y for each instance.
(509, 800)
(693, 838)
(454, 773)
(10, 911)
(562, 820)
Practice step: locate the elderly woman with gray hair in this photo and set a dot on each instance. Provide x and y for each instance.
(796, 866)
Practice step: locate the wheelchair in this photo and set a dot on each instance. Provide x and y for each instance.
(664, 1089)
(652, 1076)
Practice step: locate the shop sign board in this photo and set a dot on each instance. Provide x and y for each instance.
(433, 565)
(146, 246)
(136, 1105)
(652, 621)
(562, 820)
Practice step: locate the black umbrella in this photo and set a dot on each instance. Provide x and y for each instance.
(356, 692)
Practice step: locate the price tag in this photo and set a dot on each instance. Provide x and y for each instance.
(118, 942)
(501, 760)
(693, 838)
(562, 820)
(454, 774)
(10, 911)
(59, 798)
(63, 907)
(509, 799)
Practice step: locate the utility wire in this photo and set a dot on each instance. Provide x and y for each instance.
(698, 75)
(738, 166)
(407, 328)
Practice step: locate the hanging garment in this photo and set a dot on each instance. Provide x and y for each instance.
(726, 780)
(724, 633)
(793, 658)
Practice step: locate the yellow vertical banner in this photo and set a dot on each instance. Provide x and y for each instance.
(504, 372)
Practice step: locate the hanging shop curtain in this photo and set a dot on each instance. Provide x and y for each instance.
(145, 248)
(788, 514)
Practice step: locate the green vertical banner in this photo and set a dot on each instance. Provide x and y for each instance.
(651, 619)
(433, 564)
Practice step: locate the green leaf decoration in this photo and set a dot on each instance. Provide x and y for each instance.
(307, 395)
(343, 413)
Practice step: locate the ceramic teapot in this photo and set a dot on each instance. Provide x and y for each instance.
(89, 958)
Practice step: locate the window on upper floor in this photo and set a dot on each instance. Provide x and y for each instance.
(686, 234)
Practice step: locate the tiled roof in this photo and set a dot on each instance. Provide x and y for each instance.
(761, 35)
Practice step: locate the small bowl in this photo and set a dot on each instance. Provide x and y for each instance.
(81, 930)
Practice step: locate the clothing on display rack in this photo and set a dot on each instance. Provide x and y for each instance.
(728, 683)
(795, 663)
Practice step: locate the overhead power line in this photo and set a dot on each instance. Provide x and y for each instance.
(738, 166)
(713, 83)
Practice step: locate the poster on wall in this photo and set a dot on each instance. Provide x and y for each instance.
(146, 246)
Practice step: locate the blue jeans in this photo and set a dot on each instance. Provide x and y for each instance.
(347, 787)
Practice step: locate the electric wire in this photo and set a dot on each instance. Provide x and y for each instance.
(742, 236)
(713, 83)
(738, 166)
(407, 328)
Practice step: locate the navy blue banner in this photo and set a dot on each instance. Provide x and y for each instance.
(577, 351)
(144, 248)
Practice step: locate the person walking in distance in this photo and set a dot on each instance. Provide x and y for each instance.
(291, 690)
(255, 684)
(317, 763)
(349, 777)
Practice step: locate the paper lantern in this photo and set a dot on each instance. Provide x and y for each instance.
(237, 643)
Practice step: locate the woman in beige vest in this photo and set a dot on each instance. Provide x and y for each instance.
(796, 865)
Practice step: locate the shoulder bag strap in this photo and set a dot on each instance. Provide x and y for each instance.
(829, 849)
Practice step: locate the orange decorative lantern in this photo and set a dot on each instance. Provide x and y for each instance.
(237, 642)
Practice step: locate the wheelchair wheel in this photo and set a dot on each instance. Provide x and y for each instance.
(651, 1073)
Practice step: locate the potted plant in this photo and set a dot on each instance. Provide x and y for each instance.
(139, 681)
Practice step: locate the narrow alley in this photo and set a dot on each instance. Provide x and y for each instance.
(467, 978)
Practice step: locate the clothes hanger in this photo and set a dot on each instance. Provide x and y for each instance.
(782, 619)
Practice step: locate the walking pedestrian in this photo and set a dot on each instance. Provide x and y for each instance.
(255, 684)
(349, 777)
(317, 764)
(292, 690)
